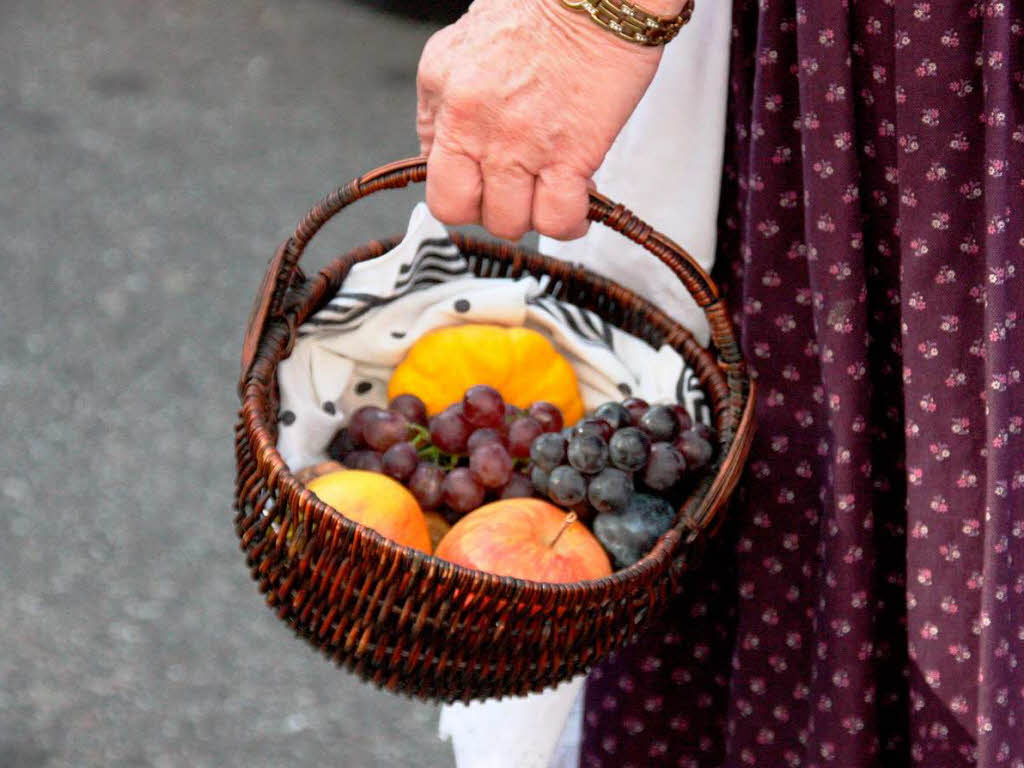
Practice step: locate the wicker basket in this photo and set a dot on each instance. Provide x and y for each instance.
(400, 618)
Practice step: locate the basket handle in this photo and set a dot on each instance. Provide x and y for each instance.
(283, 266)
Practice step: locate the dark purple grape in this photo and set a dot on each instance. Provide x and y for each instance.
(385, 428)
(548, 450)
(426, 485)
(588, 453)
(548, 415)
(461, 492)
(482, 406)
(660, 423)
(696, 449)
(539, 479)
(450, 432)
(491, 465)
(341, 444)
(610, 490)
(629, 535)
(615, 414)
(593, 426)
(367, 460)
(637, 407)
(704, 431)
(628, 449)
(399, 461)
(566, 486)
(483, 436)
(517, 487)
(521, 434)
(357, 424)
(411, 407)
(665, 467)
(682, 416)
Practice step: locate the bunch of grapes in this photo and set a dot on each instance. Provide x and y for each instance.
(474, 450)
(596, 465)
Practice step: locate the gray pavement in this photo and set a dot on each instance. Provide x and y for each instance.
(152, 154)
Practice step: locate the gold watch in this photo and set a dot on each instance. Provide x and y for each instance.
(630, 22)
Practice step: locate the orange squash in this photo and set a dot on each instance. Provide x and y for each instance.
(520, 363)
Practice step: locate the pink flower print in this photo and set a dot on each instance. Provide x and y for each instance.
(933, 677)
(917, 301)
(924, 576)
(940, 220)
(937, 172)
(803, 469)
(930, 117)
(791, 373)
(967, 479)
(785, 323)
(650, 664)
(775, 398)
(768, 56)
(939, 451)
(908, 198)
(975, 581)
(879, 74)
(959, 142)
(609, 744)
(927, 404)
(919, 531)
(969, 246)
(945, 275)
(762, 349)
(959, 705)
(751, 307)
(901, 39)
(929, 631)
(657, 749)
(823, 168)
(773, 565)
(994, 118)
(960, 652)
(949, 605)
(770, 616)
(995, 60)
(950, 552)
(928, 349)
(768, 228)
(961, 88)
(826, 37)
(746, 590)
(843, 140)
(633, 725)
(782, 155)
(773, 103)
(609, 703)
(909, 143)
(950, 38)
(780, 443)
(784, 496)
(852, 724)
(914, 475)
(922, 11)
(927, 68)
(996, 168)
(627, 683)
(758, 686)
(788, 200)
(961, 425)
(812, 121)
(950, 323)
(1018, 134)
(835, 93)
(971, 190)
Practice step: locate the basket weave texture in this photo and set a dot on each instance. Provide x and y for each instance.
(422, 626)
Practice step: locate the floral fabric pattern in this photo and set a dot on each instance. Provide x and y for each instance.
(865, 605)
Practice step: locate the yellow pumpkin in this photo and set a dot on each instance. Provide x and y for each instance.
(518, 362)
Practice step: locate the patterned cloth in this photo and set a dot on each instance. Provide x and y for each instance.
(866, 605)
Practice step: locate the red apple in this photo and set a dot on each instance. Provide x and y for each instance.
(527, 539)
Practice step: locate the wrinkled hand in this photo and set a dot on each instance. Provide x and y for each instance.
(519, 101)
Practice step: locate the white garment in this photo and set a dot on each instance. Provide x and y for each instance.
(665, 166)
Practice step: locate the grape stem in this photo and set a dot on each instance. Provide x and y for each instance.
(569, 520)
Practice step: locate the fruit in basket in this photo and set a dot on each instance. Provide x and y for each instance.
(629, 535)
(610, 491)
(376, 501)
(526, 539)
(665, 467)
(306, 474)
(437, 527)
(520, 363)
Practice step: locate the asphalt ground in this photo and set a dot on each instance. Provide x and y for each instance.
(152, 155)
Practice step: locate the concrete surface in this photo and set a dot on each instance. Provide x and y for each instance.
(152, 154)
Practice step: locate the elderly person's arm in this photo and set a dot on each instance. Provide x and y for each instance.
(519, 101)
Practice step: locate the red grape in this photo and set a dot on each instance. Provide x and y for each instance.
(399, 461)
(461, 491)
(426, 485)
(366, 460)
(483, 436)
(660, 423)
(517, 487)
(357, 423)
(521, 434)
(615, 414)
(491, 465)
(483, 407)
(704, 431)
(341, 445)
(696, 449)
(450, 432)
(637, 407)
(594, 426)
(665, 467)
(548, 415)
(385, 428)
(513, 412)
(411, 407)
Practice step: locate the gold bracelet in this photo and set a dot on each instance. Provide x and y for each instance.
(631, 23)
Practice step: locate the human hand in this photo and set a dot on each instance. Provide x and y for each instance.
(519, 101)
